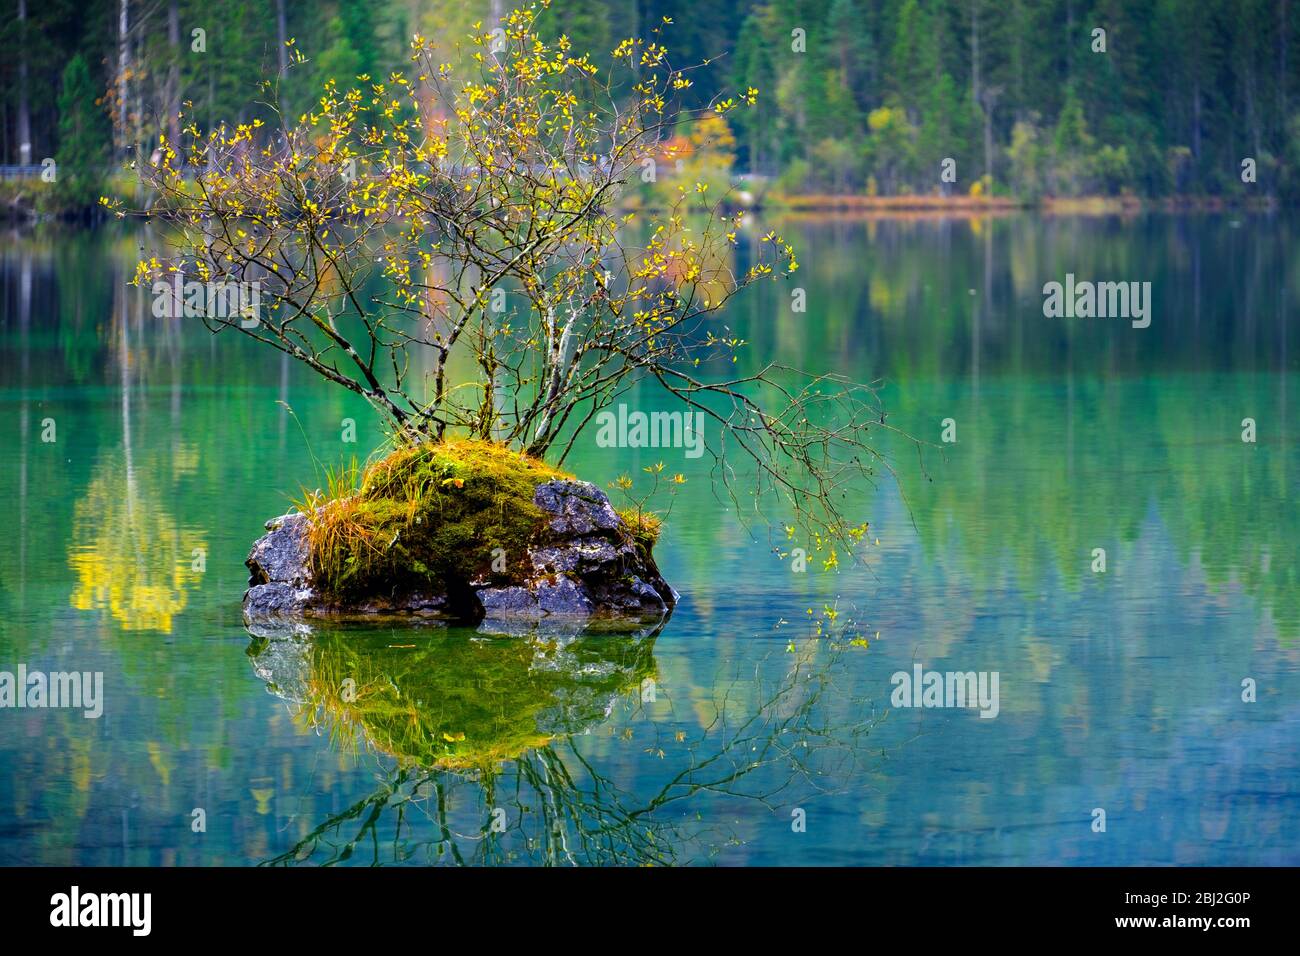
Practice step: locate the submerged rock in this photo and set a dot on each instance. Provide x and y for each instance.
(583, 567)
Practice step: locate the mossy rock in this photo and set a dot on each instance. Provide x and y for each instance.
(429, 517)
(465, 530)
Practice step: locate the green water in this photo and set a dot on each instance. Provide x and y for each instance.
(1119, 691)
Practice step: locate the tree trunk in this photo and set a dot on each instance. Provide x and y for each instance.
(988, 139)
(174, 75)
(24, 107)
(123, 66)
(977, 98)
(282, 34)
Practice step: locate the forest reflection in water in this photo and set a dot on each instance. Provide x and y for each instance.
(1119, 689)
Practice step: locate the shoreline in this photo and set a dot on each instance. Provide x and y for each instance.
(20, 207)
(922, 207)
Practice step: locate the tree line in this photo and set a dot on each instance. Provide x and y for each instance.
(1023, 97)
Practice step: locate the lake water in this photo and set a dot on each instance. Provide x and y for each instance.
(738, 733)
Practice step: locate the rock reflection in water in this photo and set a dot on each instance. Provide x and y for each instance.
(490, 750)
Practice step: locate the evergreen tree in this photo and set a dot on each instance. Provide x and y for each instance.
(83, 138)
(1184, 91)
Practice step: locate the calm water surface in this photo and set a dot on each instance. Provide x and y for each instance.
(1120, 691)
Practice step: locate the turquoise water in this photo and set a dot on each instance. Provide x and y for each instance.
(1119, 690)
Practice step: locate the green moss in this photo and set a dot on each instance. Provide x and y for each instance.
(644, 527)
(428, 517)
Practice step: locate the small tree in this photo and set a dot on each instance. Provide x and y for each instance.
(454, 251)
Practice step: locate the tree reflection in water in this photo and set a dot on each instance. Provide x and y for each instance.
(490, 752)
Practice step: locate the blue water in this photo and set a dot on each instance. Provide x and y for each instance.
(1119, 691)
